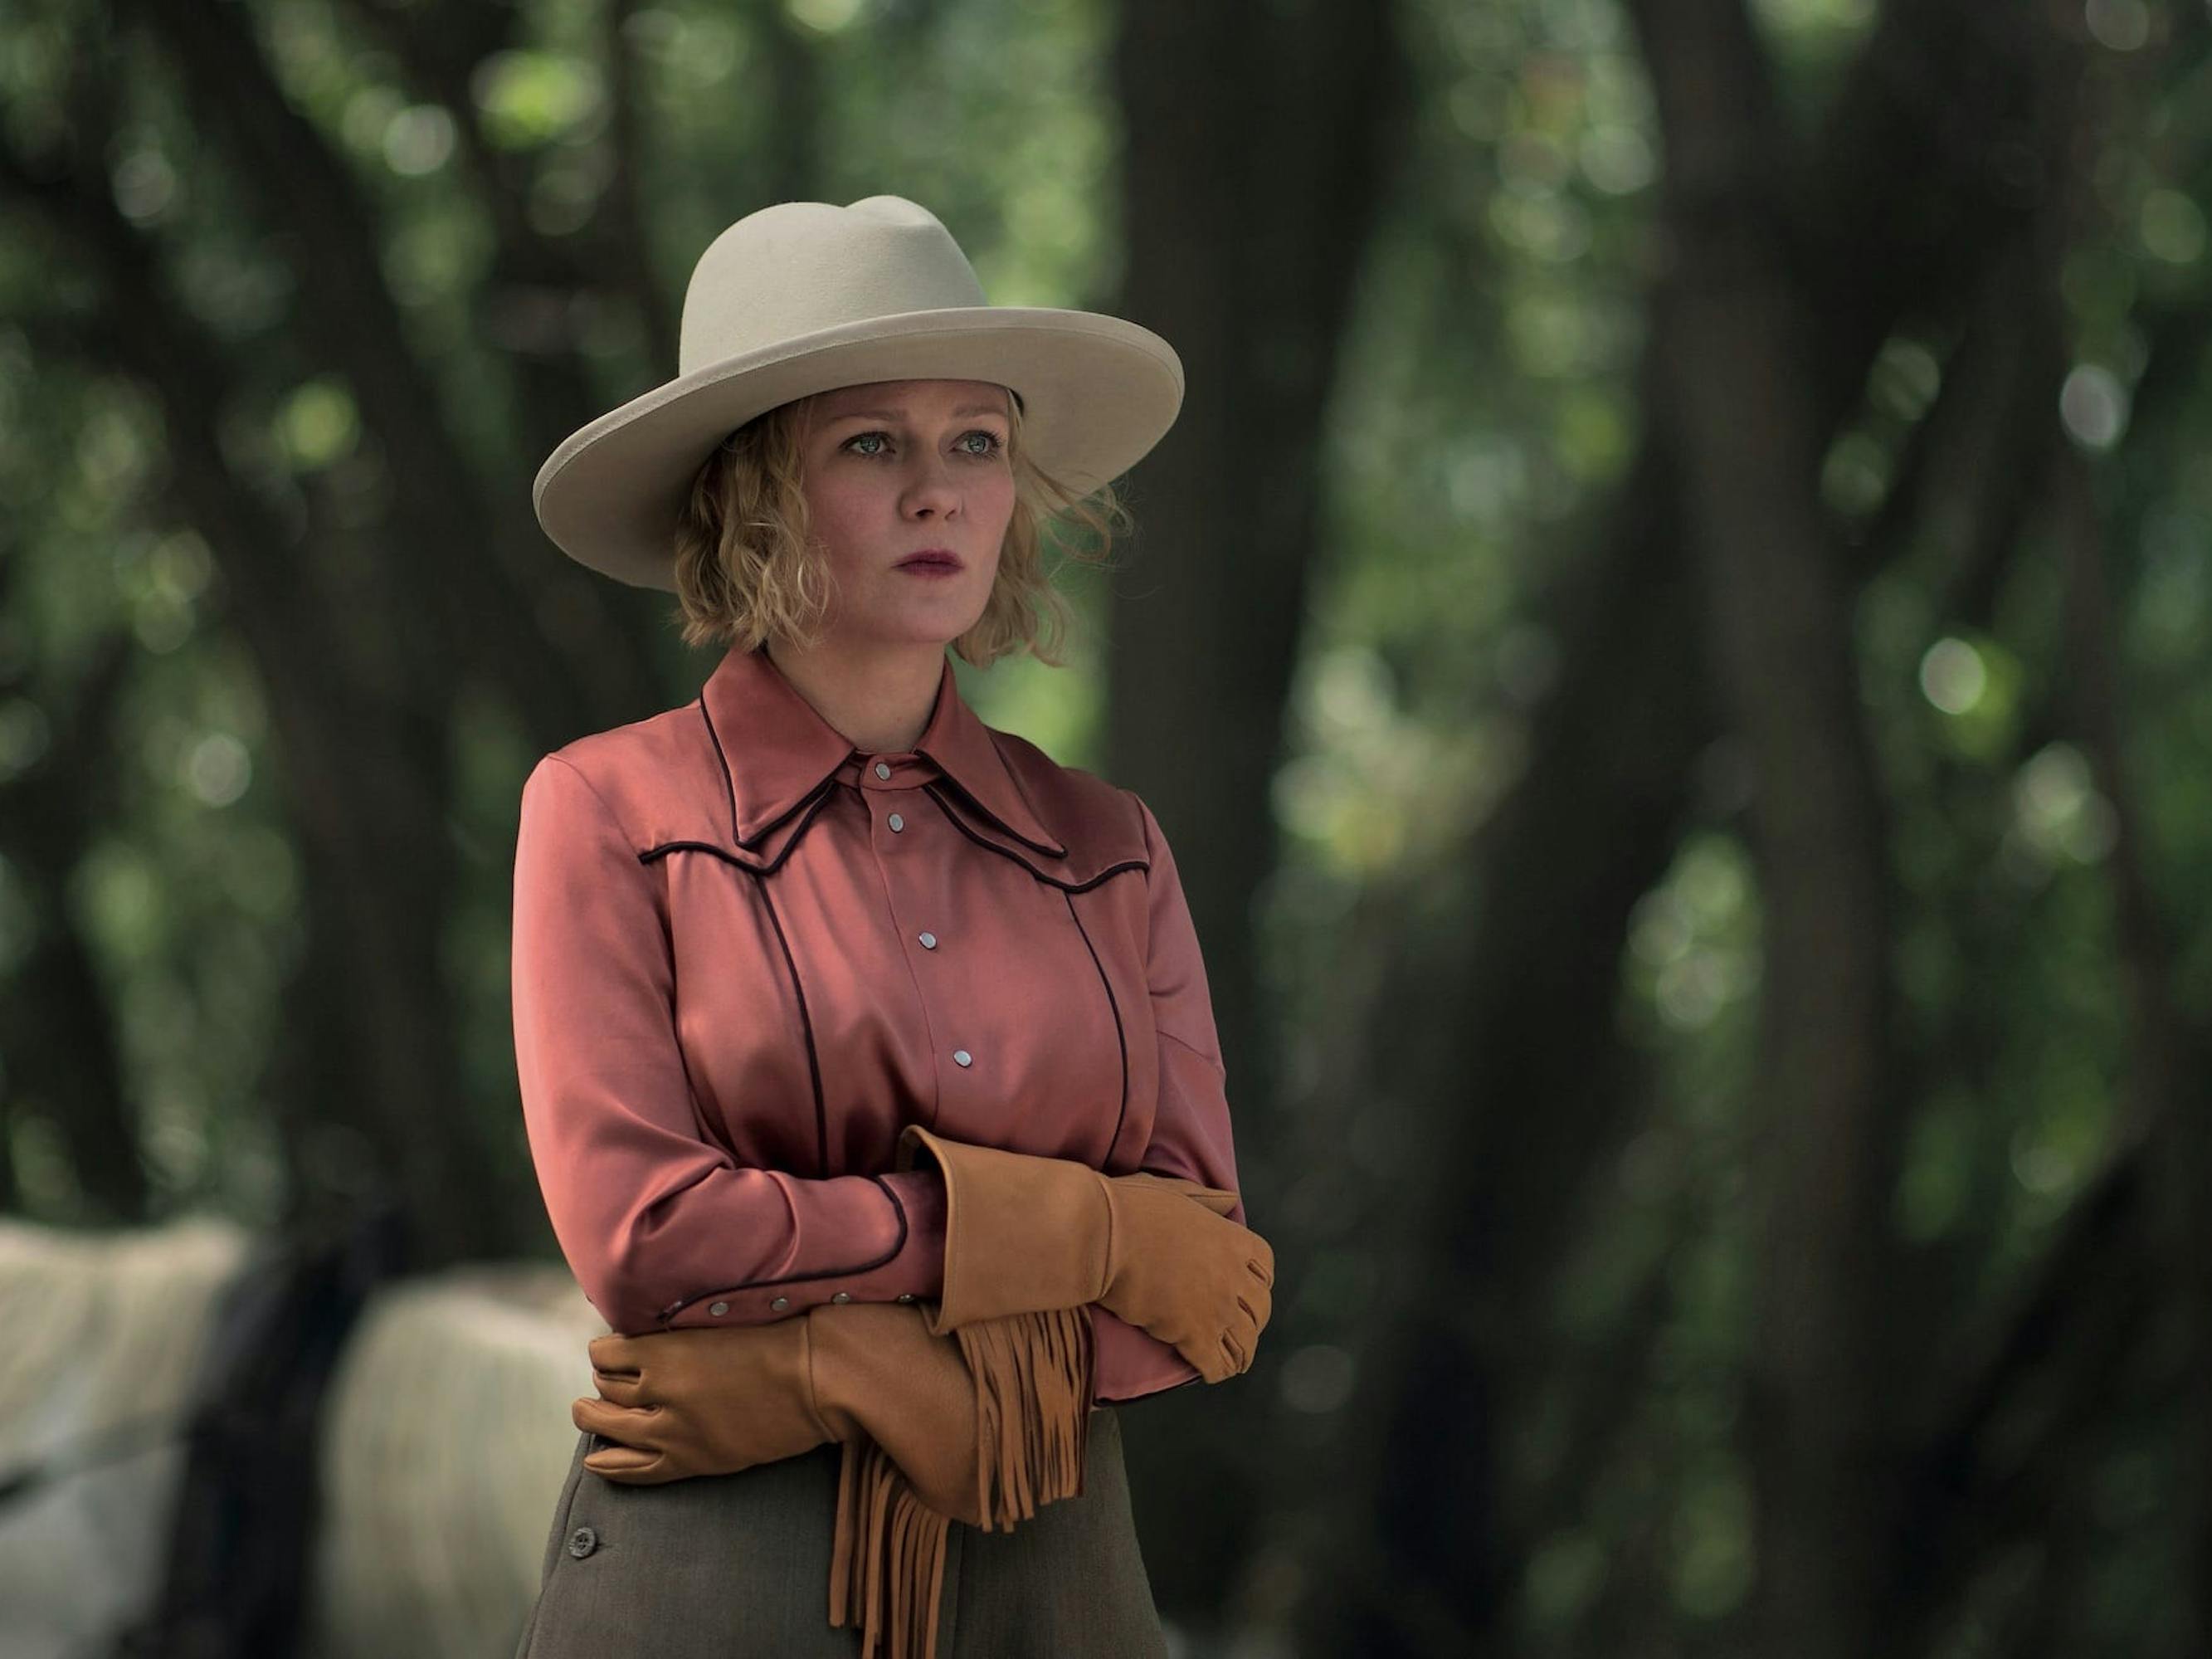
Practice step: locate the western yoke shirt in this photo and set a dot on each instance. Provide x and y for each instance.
(746, 954)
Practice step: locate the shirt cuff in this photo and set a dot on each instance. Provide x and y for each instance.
(914, 1272)
(1129, 1364)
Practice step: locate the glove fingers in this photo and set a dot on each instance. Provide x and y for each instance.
(627, 1466)
(596, 1416)
(1259, 1301)
(1219, 1364)
(1238, 1337)
(614, 1354)
(1244, 1333)
(623, 1390)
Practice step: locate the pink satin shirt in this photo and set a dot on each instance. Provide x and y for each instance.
(746, 955)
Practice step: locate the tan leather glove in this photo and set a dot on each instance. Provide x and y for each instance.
(703, 1401)
(1023, 1234)
(983, 1425)
(879, 1374)
(700, 1400)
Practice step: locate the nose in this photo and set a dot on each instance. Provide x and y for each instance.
(932, 489)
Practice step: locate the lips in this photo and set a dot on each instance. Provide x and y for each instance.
(931, 558)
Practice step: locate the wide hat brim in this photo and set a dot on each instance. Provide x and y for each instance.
(1098, 393)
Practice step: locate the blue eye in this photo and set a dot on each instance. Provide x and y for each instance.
(991, 443)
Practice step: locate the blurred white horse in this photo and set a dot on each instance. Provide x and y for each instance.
(444, 1440)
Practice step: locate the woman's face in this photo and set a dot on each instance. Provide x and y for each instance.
(896, 468)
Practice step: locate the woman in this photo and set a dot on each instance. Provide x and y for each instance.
(865, 1052)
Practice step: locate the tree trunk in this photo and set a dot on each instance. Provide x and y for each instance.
(1730, 332)
(1256, 139)
(1505, 1040)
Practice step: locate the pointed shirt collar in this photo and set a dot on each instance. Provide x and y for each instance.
(778, 753)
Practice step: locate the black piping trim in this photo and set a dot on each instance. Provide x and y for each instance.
(1120, 1038)
(931, 789)
(714, 847)
(819, 792)
(806, 1024)
(889, 1192)
(811, 802)
(1049, 849)
(729, 783)
(768, 867)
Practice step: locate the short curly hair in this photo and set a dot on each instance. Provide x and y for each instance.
(747, 571)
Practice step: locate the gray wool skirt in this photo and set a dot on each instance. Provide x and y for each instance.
(737, 1565)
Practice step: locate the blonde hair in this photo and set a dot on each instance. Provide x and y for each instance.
(747, 571)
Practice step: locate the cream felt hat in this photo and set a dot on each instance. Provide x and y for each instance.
(805, 297)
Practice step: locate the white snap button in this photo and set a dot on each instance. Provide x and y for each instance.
(781, 1304)
(929, 941)
(841, 1295)
(960, 1057)
(720, 1308)
(898, 822)
(882, 770)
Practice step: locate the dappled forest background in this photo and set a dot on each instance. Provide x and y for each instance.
(1671, 640)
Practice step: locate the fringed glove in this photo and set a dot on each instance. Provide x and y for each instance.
(983, 1425)
(1024, 1233)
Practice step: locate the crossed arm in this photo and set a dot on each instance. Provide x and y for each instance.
(664, 1230)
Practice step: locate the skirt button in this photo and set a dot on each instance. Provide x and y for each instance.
(582, 1542)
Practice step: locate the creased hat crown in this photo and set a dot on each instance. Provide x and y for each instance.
(798, 267)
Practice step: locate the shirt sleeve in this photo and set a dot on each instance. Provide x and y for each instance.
(662, 1228)
(1191, 1133)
